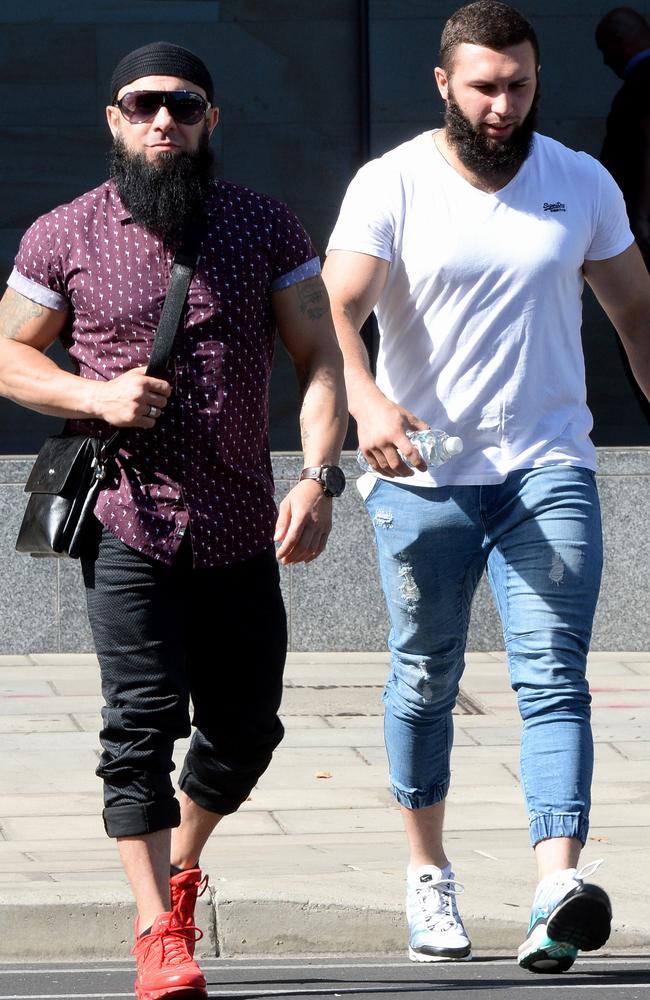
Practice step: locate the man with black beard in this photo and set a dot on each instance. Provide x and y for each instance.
(472, 244)
(166, 195)
(481, 154)
(183, 583)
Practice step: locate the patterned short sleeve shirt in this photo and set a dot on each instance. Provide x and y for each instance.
(205, 467)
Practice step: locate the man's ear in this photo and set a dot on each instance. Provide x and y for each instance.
(213, 119)
(442, 80)
(113, 117)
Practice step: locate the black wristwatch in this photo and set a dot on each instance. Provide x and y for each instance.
(330, 477)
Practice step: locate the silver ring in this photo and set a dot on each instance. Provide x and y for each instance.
(153, 411)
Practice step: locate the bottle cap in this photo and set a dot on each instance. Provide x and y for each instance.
(453, 445)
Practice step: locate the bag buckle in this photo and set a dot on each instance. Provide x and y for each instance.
(106, 451)
(99, 468)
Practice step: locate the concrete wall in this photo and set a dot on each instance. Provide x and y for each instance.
(336, 603)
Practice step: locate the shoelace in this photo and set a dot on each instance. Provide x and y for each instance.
(173, 941)
(545, 897)
(199, 887)
(440, 894)
(586, 870)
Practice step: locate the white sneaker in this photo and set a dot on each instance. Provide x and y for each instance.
(568, 914)
(436, 932)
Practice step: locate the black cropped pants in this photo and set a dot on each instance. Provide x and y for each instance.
(165, 634)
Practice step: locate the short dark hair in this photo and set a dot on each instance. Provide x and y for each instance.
(485, 22)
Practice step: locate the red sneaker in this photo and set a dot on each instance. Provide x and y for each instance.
(165, 966)
(184, 888)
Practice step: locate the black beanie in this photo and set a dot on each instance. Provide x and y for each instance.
(161, 59)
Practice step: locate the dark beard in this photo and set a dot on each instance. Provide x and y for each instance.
(480, 154)
(166, 194)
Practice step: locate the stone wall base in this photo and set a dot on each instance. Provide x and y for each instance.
(336, 602)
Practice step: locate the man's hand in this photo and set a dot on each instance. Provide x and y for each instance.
(382, 431)
(304, 523)
(132, 399)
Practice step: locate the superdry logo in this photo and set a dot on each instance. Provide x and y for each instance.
(554, 206)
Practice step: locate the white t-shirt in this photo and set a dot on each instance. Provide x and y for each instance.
(480, 316)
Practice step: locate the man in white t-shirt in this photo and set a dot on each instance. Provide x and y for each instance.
(472, 244)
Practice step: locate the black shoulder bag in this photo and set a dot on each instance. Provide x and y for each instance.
(69, 470)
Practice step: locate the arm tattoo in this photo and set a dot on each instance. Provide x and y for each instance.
(312, 299)
(15, 311)
(305, 433)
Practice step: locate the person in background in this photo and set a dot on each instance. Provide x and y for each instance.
(623, 37)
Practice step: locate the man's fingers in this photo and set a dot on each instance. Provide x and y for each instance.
(314, 552)
(404, 448)
(150, 384)
(296, 545)
(389, 462)
(149, 411)
(146, 421)
(305, 547)
(412, 453)
(142, 423)
(156, 399)
(283, 521)
(158, 386)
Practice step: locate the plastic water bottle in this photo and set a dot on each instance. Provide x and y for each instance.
(435, 447)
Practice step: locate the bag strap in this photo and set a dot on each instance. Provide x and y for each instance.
(185, 263)
(182, 270)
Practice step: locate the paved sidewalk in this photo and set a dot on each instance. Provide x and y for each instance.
(314, 862)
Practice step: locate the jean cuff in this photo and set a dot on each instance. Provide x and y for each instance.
(546, 826)
(138, 818)
(209, 798)
(415, 798)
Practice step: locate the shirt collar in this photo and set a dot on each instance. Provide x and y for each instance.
(634, 61)
(121, 213)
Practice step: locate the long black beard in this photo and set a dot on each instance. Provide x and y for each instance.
(163, 195)
(479, 153)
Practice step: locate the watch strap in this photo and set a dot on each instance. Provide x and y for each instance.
(312, 472)
(330, 477)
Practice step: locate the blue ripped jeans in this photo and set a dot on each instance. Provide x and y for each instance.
(539, 535)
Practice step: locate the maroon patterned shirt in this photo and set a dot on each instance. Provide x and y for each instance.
(206, 464)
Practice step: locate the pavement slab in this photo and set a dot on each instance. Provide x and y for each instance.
(317, 855)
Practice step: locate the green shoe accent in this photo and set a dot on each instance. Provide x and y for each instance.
(539, 953)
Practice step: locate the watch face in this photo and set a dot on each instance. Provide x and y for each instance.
(333, 480)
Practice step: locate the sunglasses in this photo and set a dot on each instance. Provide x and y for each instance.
(185, 107)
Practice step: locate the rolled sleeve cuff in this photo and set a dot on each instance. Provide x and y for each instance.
(308, 270)
(37, 293)
(368, 247)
